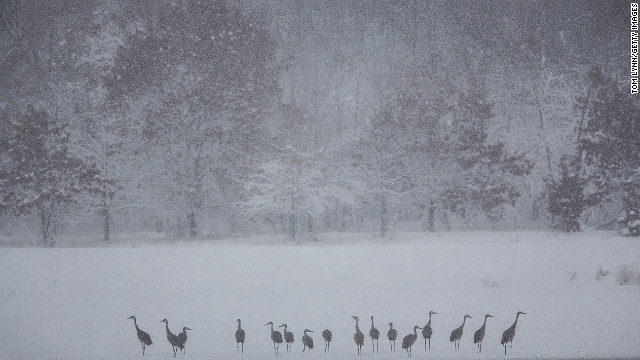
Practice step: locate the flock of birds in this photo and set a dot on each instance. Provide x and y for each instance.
(178, 341)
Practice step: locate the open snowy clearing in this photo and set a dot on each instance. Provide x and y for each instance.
(73, 303)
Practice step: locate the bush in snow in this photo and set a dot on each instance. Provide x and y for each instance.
(628, 274)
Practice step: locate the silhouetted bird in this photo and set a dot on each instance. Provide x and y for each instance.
(239, 337)
(408, 340)
(173, 339)
(144, 338)
(374, 334)
(479, 334)
(507, 336)
(326, 335)
(358, 337)
(456, 334)
(392, 335)
(427, 331)
(307, 341)
(183, 338)
(276, 337)
(288, 337)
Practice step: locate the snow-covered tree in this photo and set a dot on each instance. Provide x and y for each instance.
(42, 176)
(609, 142)
(206, 80)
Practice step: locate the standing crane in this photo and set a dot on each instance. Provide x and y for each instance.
(479, 334)
(374, 334)
(173, 339)
(408, 340)
(288, 337)
(427, 331)
(239, 337)
(392, 335)
(358, 337)
(456, 334)
(326, 335)
(507, 336)
(183, 338)
(307, 341)
(144, 338)
(276, 337)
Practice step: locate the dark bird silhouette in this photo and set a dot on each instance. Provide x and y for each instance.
(276, 337)
(326, 335)
(307, 341)
(183, 338)
(392, 335)
(456, 334)
(507, 336)
(173, 339)
(288, 337)
(374, 334)
(479, 334)
(144, 338)
(358, 337)
(239, 337)
(408, 340)
(427, 331)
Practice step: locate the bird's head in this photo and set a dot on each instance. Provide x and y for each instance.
(432, 313)
(391, 324)
(269, 323)
(307, 330)
(417, 327)
(165, 321)
(371, 317)
(468, 316)
(522, 313)
(185, 328)
(283, 325)
(488, 316)
(238, 321)
(355, 318)
(131, 317)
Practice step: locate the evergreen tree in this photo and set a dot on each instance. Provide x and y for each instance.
(609, 141)
(41, 175)
(566, 196)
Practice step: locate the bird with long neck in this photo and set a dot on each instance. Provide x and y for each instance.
(408, 340)
(427, 331)
(288, 337)
(276, 337)
(456, 334)
(478, 336)
(327, 335)
(239, 337)
(144, 338)
(307, 341)
(374, 334)
(358, 337)
(507, 336)
(392, 335)
(173, 339)
(183, 338)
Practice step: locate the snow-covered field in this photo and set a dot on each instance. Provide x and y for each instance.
(73, 303)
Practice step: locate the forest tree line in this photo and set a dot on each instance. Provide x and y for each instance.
(195, 118)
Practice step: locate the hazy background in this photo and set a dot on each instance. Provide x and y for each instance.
(205, 119)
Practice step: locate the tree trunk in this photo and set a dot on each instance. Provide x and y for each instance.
(193, 224)
(46, 212)
(106, 218)
(428, 224)
(384, 226)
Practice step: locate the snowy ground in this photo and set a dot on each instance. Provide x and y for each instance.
(72, 303)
